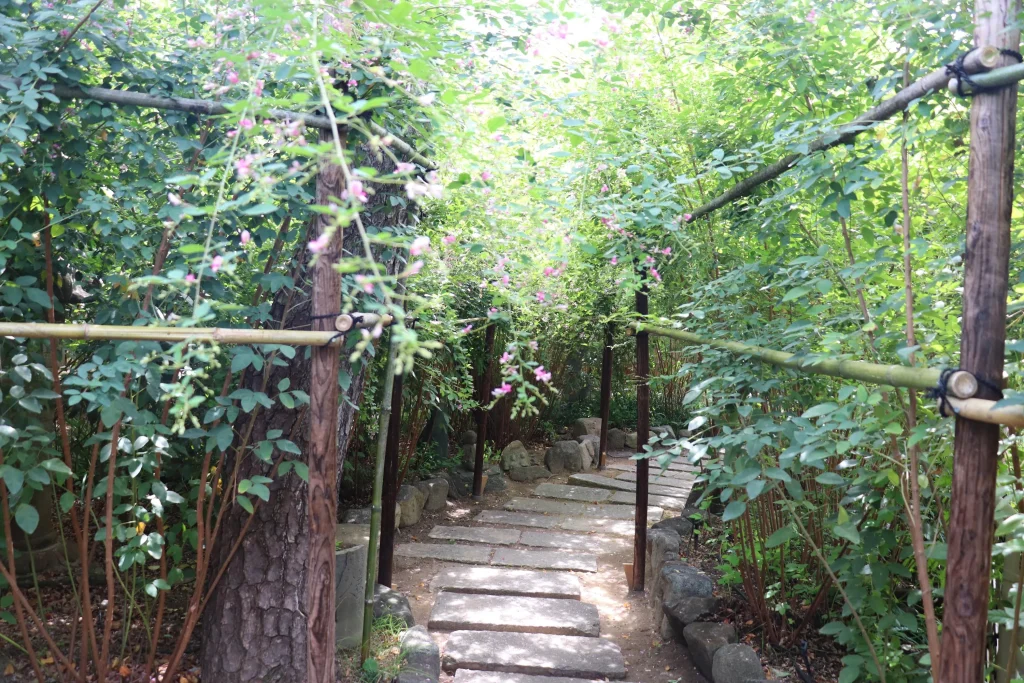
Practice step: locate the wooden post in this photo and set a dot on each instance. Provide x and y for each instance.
(643, 425)
(390, 496)
(322, 457)
(481, 415)
(983, 339)
(606, 395)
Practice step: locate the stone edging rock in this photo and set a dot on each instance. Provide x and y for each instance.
(680, 596)
(420, 657)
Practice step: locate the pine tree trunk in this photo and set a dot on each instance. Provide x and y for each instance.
(254, 628)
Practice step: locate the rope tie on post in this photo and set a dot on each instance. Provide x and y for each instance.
(960, 75)
(959, 384)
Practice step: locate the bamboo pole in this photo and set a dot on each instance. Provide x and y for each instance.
(222, 335)
(606, 394)
(378, 486)
(481, 415)
(137, 99)
(982, 348)
(979, 60)
(389, 495)
(992, 79)
(643, 424)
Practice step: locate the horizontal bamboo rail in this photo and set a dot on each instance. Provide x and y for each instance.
(960, 386)
(132, 98)
(980, 60)
(222, 335)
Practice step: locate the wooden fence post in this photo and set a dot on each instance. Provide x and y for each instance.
(643, 425)
(322, 458)
(983, 339)
(606, 394)
(481, 416)
(390, 495)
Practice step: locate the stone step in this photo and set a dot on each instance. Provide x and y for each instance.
(533, 653)
(476, 534)
(443, 551)
(571, 509)
(540, 521)
(577, 493)
(616, 527)
(475, 612)
(674, 466)
(666, 502)
(495, 581)
(682, 482)
(544, 559)
(594, 544)
(597, 481)
(467, 676)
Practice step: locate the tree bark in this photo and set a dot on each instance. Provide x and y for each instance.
(255, 626)
(986, 274)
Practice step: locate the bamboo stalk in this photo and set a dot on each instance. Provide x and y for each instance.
(979, 60)
(223, 335)
(137, 99)
(993, 79)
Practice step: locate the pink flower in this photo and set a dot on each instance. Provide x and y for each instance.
(174, 199)
(247, 124)
(467, 329)
(352, 83)
(603, 43)
(416, 267)
(549, 271)
(233, 77)
(355, 191)
(666, 251)
(244, 167)
(492, 311)
(485, 176)
(505, 280)
(419, 245)
(534, 345)
(542, 375)
(687, 217)
(64, 33)
(217, 263)
(190, 279)
(505, 388)
(506, 357)
(541, 296)
(258, 89)
(448, 239)
(650, 259)
(318, 245)
(615, 260)
(245, 237)
(365, 283)
(656, 274)
(812, 16)
(404, 167)
(604, 188)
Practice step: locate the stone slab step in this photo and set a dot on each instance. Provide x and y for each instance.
(533, 653)
(683, 482)
(540, 521)
(544, 559)
(577, 493)
(674, 466)
(666, 502)
(476, 534)
(443, 551)
(594, 544)
(467, 676)
(572, 509)
(616, 527)
(596, 480)
(495, 581)
(475, 612)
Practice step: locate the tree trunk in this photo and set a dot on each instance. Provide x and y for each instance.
(255, 626)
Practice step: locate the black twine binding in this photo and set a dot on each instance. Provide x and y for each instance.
(939, 391)
(956, 70)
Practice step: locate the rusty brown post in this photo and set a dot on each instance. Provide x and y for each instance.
(643, 425)
(389, 497)
(481, 415)
(606, 395)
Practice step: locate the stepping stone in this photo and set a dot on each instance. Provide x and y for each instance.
(674, 466)
(598, 481)
(683, 481)
(496, 581)
(467, 676)
(570, 509)
(544, 559)
(601, 545)
(580, 493)
(450, 553)
(469, 612)
(476, 535)
(667, 502)
(533, 653)
(617, 527)
(517, 519)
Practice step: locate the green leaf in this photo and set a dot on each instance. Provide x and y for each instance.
(67, 501)
(245, 504)
(56, 466)
(830, 479)
(27, 518)
(495, 123)
(259, 210)
(781, 536)
(849, 674)
(734, 510)
(13, 478)
(848, 532)
(820, 409)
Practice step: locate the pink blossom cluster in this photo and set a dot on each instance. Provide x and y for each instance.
(430, 187)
